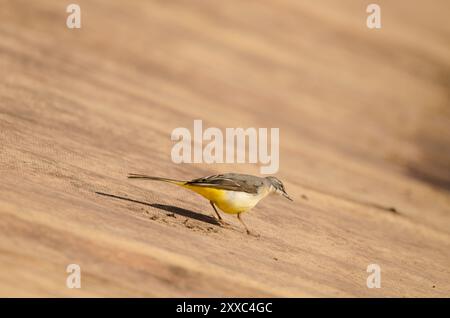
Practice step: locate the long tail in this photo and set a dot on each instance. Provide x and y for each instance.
(143, 176)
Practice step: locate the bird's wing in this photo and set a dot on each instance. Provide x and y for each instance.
(227, 182)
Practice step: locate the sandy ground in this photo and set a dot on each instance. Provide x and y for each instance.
(364, 147)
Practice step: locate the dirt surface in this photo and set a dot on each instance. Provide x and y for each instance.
(364, 147)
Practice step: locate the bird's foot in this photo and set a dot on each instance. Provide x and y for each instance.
(253, 234)
(223, 223)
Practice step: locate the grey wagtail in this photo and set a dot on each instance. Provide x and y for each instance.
(232, 193)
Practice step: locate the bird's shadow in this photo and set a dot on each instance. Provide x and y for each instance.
(168, 208)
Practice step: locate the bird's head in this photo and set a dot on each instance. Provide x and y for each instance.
(276, 186)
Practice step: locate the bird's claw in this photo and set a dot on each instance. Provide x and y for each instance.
(223, 223)
(253, 234)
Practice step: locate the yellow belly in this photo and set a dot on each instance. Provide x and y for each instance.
(231, 202)
(209, 193)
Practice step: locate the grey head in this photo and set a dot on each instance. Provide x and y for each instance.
(276, 186)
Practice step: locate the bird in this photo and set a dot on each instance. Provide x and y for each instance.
(232, 193)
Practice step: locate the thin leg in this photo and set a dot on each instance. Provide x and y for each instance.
(214, 207)
(240, 220)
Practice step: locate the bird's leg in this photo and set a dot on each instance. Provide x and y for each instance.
(215, 210)
(220, 220)
(246, 228)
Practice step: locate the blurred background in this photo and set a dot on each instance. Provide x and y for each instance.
(364, 118)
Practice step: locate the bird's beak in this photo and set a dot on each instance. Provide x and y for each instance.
(287, 196)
